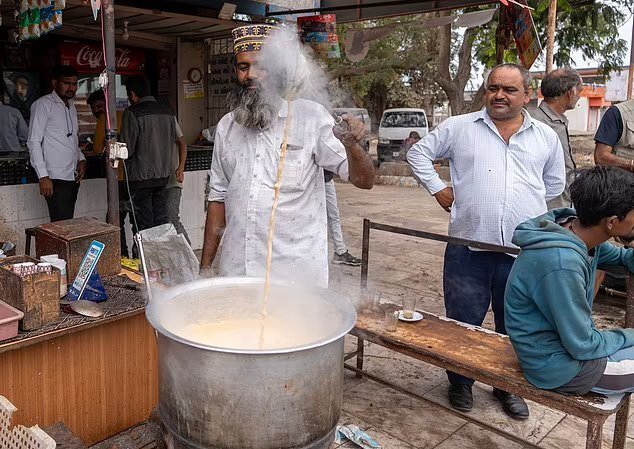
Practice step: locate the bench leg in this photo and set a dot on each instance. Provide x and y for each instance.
(593, 436)
(27, 247)
(360, 349)
(620, 426)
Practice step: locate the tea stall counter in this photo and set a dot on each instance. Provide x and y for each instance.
(97, 375)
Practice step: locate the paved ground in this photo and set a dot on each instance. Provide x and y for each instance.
(400, 265)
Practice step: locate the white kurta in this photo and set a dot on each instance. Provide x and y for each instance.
(243, 175)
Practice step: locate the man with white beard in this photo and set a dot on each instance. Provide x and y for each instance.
(244, 171)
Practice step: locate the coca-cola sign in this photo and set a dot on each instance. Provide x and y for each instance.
(88, 58)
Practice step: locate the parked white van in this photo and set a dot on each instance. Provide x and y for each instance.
(395, 126)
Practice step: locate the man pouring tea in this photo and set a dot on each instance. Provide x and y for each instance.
(247, 153)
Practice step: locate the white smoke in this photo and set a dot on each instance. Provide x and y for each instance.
(293, 71)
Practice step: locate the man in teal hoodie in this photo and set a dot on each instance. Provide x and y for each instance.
(549, 293)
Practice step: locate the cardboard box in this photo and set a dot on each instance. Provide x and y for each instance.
(70, 239)
(36, 295)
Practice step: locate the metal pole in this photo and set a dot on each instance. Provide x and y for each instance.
(365, 253)
(630, 78)
(552, 26)
(107, 9)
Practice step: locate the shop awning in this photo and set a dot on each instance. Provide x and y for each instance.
(356, 10)
(148, 28)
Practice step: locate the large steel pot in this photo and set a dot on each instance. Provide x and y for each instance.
(219, 397)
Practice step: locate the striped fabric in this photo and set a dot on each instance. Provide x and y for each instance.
(618, 376)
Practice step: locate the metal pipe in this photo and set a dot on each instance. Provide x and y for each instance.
(443, 238)
(362, 6)
(112, 181)
(146, 274)
(612, 292)
(365, 253)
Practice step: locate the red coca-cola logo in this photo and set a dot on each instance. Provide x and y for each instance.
(93, 58)
(89, 59)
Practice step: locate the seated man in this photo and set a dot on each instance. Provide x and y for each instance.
(549, 293)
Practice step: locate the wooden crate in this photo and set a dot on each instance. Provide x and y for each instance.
(36, 295)
(70, 239)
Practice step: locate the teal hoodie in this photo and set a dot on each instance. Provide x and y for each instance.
(548, 301)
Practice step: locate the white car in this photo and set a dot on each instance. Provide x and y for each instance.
(396, 126)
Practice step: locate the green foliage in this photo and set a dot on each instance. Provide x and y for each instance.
(405, 60)
(591, 29)
(404, 63)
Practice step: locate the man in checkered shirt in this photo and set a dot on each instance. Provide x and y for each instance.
(504, 167)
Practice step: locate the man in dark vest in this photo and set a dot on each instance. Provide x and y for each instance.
(615, 137)
(150, 131)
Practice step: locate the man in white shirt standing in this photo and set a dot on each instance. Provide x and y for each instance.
(244, 171)
(54, 145)
(504, 167)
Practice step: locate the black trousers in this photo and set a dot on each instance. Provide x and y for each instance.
(148, 201)
(124, 210)
(61, 206)
(473, 280)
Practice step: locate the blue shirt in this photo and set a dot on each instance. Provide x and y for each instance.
(611, 128)
(13, 129)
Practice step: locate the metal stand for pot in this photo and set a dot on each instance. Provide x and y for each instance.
(139, 242)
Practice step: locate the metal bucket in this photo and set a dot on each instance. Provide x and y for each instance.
(236, 398)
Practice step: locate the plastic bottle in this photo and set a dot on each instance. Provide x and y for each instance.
(54, 260)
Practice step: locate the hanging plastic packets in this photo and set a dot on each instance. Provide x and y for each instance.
(46, 16)
(29, 20)
(38, 17)
(320, 33)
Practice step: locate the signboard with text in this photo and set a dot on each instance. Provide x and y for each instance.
(88, 59)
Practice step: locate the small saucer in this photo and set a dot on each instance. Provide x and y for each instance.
(417, 317)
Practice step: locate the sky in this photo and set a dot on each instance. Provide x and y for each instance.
(625, 32)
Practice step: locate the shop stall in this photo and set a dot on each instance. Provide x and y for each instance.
(97, 374)
(166, 47)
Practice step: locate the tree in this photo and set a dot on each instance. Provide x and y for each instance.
(394, 63)
(395, 73)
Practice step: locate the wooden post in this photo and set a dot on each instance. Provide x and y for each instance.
(552, 26)
(501, 39)
(622, 416)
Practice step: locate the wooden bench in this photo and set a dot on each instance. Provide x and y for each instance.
(480, 354)
(487, 357)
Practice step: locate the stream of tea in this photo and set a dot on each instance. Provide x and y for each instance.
(269, 254)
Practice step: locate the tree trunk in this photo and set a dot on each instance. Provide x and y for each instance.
(454, 86)
(478, 100)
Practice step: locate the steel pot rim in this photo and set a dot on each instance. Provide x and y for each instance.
(348, 312)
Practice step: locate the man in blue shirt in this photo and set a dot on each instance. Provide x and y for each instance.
(615, 137)
(549, 294)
